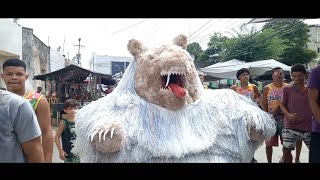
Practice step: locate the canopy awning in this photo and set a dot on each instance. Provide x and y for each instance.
(228, 70)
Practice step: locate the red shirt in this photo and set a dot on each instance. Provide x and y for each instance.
(297, 102)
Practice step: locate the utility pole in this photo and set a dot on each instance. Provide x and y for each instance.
(79, 55)
(93, 63)
(64, 40)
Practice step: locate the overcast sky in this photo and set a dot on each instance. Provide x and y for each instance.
(110, 36)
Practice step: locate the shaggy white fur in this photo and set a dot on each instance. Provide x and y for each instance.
(211, 126)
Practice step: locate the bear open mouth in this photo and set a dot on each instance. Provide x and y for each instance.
(174, 81)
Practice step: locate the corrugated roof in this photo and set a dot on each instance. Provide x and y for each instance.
(70, 73)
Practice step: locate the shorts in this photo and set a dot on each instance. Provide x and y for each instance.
(314, 155)
(290, 138)
(72, 160)
(274, 140)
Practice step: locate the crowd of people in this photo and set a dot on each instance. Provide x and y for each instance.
(26, 132)
(294, 107)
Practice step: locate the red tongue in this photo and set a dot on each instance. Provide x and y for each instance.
(180, 92)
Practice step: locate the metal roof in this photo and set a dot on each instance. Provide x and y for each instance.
(72, 73)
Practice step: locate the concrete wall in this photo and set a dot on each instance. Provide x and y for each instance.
(314, 44)
(315, 33)
(36, 55)
(20, 42)
(10, 39)
(314, 38)
(10, 42)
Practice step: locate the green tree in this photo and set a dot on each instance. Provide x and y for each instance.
(295, 34)
(252, 45)
(216, 48)
(217, 43)
(195, 50)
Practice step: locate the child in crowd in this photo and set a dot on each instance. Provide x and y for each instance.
(66, 131)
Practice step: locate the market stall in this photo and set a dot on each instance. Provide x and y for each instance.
(74, 82)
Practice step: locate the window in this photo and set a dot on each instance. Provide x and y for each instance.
(318, 50)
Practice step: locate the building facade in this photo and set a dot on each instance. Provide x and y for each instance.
(110, 64)
(314, 44)
(20, 42)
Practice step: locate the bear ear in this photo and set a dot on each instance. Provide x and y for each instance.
(135, 48)
(181, 40)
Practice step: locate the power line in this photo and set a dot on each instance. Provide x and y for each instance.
(201, 27)
(282, 30)
(153, 30)
(251, 36)
(205, 29)
(234, 23)
(264, 40)
(200, 39)
(203, 38)
(229, 26)
(228, 22)
(129, 27)
(240, 25)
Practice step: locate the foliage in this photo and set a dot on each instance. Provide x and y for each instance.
(195, 50)
(216, 48)
(255, 45)
(285, 41)
(296, 35)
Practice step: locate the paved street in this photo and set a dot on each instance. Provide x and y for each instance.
(261, 157)
(260, 154)
(55, 157)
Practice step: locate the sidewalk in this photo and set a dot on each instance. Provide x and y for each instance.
(55, 158)
(261, 156)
